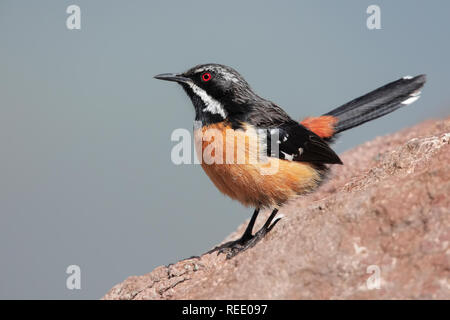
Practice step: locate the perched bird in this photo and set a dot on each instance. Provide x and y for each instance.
(225, 102)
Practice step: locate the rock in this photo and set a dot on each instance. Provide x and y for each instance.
(387, 210)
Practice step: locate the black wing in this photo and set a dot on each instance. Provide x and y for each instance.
(294, 141)
(297, 143)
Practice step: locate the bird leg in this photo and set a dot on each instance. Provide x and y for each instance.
(247, 240)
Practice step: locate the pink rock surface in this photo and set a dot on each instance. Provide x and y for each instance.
(387, 207)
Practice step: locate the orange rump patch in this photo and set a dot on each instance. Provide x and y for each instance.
(322, 126)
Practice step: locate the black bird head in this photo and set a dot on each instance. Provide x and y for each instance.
(217, 92)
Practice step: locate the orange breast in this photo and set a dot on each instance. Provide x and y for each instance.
(231, 159)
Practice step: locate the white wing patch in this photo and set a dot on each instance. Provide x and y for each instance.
(288, 157)
(211, 105)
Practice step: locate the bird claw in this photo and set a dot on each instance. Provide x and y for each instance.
(233, 248)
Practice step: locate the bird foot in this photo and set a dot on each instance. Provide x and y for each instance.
(233, 248)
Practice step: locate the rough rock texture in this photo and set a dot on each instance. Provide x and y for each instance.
(387, 207)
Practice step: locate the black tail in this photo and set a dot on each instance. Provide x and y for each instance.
(377, 103)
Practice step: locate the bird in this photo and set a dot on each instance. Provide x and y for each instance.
(300, 151)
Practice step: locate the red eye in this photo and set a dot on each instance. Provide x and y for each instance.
(206, 76)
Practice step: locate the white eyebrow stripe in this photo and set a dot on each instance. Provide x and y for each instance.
(212, 105)
(200, 69)
(221, 71)
(230, 77)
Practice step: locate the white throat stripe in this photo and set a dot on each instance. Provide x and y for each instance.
(211, 105)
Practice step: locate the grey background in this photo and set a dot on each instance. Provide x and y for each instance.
(85, 174)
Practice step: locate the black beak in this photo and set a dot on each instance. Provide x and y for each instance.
(172, 77)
